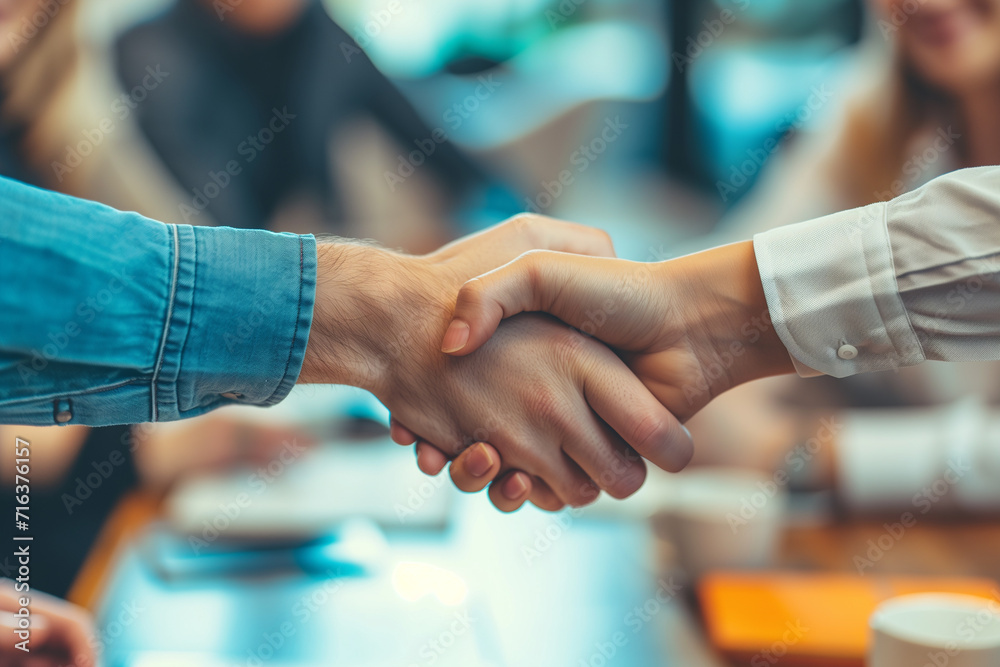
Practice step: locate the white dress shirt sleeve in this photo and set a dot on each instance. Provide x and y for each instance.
(891, 284)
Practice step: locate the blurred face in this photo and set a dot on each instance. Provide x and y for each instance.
(951, 44)
(262, 17)
(21, 21)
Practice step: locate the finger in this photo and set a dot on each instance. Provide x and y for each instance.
(567, 286)
(571, 484)
(543, 497)
(71, 631)
(615, 468)
(430, 459)
(476, 467)
(510, 491)
(542, 232)
(400, 434)
(626, 405)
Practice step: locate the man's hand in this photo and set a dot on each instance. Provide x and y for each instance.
(556, 404)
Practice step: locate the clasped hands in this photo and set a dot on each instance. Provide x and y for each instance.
(537, 361)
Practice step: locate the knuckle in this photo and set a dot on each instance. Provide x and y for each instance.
(524, 224)
(603, 236)
(568, 346)
(583, 493)
(471, 292)
(549, 407)
(621, 482)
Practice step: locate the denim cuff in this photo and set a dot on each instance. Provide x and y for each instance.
(238, 319)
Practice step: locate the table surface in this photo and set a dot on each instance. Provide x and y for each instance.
(591, 580)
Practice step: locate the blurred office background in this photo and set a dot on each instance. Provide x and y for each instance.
(299, 535)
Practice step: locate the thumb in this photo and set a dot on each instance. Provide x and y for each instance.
(535, 281)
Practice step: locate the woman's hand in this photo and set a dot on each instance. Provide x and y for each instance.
(690, 328)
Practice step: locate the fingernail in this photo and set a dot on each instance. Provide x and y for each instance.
(514, 487)
(479, 461)
(455, 337)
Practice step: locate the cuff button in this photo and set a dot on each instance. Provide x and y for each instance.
(847, 352)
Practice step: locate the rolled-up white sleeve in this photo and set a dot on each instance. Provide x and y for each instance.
(890, 284)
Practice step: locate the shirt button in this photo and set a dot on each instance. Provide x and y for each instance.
(63, 416)
(847, 352)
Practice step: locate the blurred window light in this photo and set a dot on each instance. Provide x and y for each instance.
(413, 580)
(409, 39)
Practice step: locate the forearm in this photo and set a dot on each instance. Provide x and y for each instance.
(891, 284)
(110, 317)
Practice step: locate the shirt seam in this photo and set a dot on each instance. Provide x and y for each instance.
(166, 323)
(295, 331)
(83, 392)
(897, 295)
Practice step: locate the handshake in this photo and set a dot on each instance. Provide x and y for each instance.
(535, 360)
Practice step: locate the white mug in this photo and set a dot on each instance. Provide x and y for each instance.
(935, 630)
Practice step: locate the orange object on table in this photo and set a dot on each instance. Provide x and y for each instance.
(807, 620)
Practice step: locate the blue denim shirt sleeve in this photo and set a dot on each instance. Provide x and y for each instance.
(111, 318)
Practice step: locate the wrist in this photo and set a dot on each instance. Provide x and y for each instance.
(374, 308)
(726, 316)
(354, 305)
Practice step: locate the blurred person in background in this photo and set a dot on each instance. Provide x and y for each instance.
(197, 81)
(318, 135)
(925, 101)
(67, 125)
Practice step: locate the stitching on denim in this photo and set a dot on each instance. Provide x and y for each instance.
(298, 315)
(166, 323)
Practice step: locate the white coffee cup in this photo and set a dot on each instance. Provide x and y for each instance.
(721, 518)
(935, 630)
